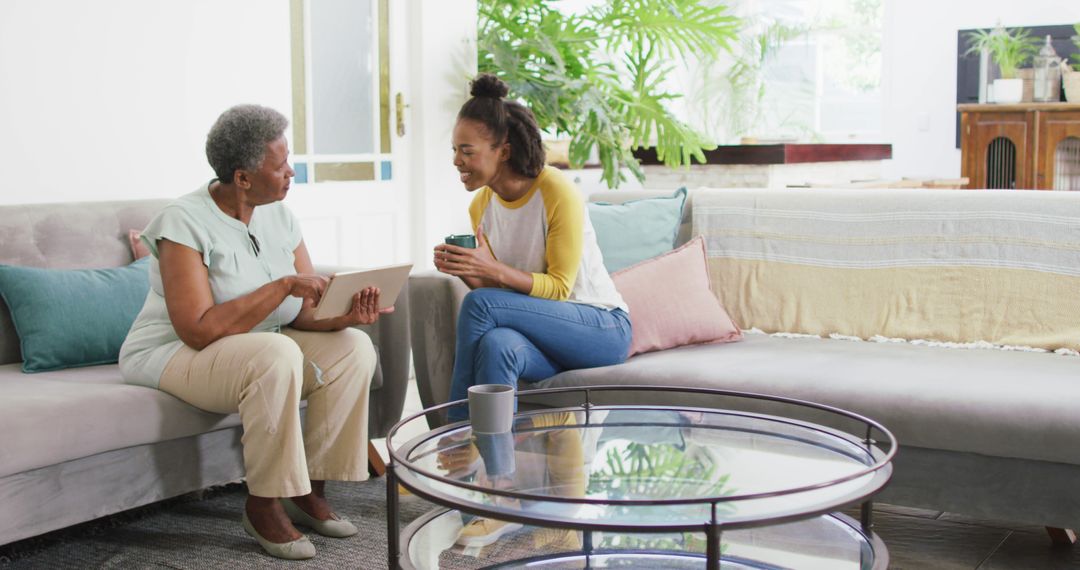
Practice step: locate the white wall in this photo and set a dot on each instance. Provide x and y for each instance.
(919, 73)
(112, 99)
(442, 61)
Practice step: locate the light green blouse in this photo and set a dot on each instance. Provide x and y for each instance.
(238, 258)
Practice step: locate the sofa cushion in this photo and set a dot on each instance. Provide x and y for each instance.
(671, 303)
(990, 402)
(52, 417)
(139, 249)
(636, 230)
(73, 235)
(70, 318)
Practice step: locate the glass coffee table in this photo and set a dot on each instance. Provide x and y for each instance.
(597, 485)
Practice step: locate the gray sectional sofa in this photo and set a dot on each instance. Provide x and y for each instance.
(983, 431)
(78, 444)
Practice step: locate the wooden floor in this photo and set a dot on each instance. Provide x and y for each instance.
(932, 540)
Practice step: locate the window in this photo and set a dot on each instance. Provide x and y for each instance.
(807, 70)
(341, 92)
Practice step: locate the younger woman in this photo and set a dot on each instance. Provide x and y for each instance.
(542, 301)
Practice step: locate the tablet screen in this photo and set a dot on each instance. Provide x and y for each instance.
(337, 299)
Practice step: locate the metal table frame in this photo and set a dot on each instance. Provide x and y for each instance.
(712, 528)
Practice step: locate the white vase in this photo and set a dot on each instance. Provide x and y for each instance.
(1008, 90)
(1071, 81)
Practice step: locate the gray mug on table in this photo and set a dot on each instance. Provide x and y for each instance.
(463, 240)
(491, 408)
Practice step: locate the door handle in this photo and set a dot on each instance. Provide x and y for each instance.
(399, 110)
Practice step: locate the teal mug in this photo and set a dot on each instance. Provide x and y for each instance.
(462, 240)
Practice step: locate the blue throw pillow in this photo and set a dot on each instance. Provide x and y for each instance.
(638, 229)
(71, 318)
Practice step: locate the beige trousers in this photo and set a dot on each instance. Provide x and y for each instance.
(264, 376)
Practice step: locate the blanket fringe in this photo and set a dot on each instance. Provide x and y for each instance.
(977, 345)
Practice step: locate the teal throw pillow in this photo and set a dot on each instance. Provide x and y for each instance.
(636, 230)
(71, 318)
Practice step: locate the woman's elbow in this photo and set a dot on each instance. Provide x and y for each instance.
(197, 340)
(196, 343)
(560, 291)
(553, 288)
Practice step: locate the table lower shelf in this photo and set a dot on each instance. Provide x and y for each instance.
(833, 542)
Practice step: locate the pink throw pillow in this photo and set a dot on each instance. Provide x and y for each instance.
(138, 248)
(671, 303)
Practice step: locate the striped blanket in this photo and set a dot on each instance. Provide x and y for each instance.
(955, 266)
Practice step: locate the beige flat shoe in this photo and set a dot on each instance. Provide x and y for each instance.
(299, 549)
(334, 528)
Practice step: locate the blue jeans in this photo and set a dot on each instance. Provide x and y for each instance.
(504, 336)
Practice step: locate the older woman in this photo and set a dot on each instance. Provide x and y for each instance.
(228, 327)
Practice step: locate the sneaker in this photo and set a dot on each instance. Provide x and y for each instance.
(550, 419)
(405, 495)
(460, 458)
(482, 532)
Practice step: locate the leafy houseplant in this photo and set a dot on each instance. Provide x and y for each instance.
(1076, 42)
(1009, 50)
(597, 76)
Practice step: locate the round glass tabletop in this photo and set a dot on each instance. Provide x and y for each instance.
(647, 467)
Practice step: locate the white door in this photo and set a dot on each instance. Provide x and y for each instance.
(349, 131)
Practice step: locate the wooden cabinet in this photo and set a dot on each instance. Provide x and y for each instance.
(1058, 150)
(1029, 145)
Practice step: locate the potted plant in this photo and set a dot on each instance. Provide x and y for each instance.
(1009, 50)
(1070, 78)
(598, 75)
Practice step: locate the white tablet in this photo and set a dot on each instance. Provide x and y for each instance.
(337, 299)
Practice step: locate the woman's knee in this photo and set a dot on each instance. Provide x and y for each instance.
(276, 360)
(499, 345)
(361, 347)
(477, 302)
(347, 357)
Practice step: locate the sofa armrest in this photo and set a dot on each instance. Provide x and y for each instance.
(390, 335)
(436, 300)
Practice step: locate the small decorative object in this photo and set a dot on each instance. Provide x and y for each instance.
(1047, 73)
(1009, 51)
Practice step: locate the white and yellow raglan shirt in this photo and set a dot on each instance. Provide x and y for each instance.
(547, 232)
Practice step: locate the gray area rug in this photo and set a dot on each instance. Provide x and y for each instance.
(203, 531)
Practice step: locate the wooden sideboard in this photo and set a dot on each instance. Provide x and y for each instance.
(771, 166)
(1021, 146)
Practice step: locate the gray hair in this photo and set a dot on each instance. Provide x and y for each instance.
(238, 139)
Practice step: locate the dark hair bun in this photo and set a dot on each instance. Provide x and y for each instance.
(487, 85)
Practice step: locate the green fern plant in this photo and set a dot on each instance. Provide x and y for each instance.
(1008, 49)
(598, 76)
